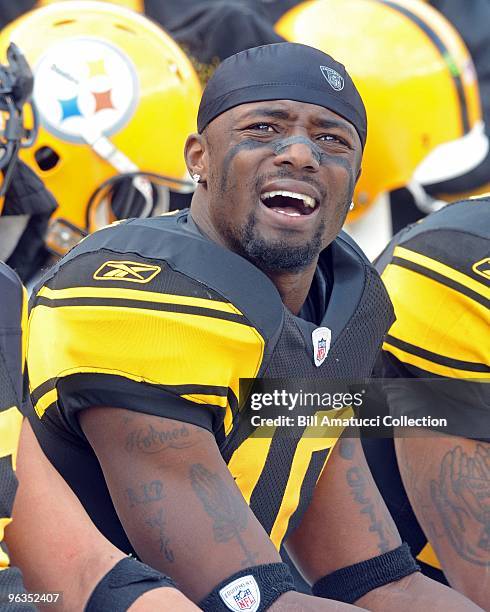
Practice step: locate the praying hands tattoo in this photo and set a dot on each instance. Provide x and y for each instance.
(462, 498)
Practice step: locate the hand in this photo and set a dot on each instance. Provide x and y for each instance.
(462, 497)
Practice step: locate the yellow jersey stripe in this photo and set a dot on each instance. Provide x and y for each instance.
(430, 366)
(136, 294)
(158, 347)
(4, 558)
(427, 555)
(3, 523)
(439, 324)
(443, 270)
(45, 402)
(215, 400)
(10, 424)
(248, 461)
(25, 302)
(313, 439)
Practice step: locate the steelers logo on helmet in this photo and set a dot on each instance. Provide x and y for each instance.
(85, 84)
(111, 87)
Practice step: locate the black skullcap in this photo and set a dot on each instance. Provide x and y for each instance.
(283, 71)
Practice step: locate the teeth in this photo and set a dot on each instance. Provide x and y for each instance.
(289, 214)
(307, 200)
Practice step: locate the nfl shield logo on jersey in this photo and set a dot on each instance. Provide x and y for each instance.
(334, 79)
(321, 338)
(241, 594)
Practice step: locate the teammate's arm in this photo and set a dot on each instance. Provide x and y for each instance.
(347, 522)
(56, 545)
(179, 504)
(447, 479)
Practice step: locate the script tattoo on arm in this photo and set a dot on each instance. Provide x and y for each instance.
(357, 481)
(461, 496)
(150, 440)
(146, 493)
(157, 521)
(372, 506)
(229, 517)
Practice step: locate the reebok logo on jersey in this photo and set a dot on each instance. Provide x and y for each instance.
(130, 271)
(482, 268)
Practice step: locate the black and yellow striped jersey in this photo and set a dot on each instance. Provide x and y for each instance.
(150, 315)
(437, 273)
(13, 312)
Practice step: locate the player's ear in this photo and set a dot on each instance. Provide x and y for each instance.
(358, 173)
(196, 157)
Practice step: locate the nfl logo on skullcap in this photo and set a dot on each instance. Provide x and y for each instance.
(334, 79)
(321, 338)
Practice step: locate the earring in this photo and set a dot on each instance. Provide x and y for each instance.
(351, 207)
(196, 177)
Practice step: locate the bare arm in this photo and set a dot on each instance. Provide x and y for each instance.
(179, 504)
(348, 522)
(447, 479)
(56, 546)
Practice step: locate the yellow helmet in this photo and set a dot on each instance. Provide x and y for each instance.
(116, 99)
(135, 5)
(417, 81)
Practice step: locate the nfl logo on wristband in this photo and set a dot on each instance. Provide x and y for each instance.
(241, 594)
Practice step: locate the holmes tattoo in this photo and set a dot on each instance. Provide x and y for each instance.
(150, 440)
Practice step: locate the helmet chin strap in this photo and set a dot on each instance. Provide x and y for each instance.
(118, 160)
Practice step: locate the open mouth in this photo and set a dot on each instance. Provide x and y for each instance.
(289, 203)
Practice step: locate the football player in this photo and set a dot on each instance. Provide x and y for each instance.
(437, 273)
(139, 336)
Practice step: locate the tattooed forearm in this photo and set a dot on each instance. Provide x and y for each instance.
(347, 448)
(145, 493)
(365, 493)
(228, 512)
(415, 485)
(157, 522)
(151, 440)
(461, 496)
(357, 481)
